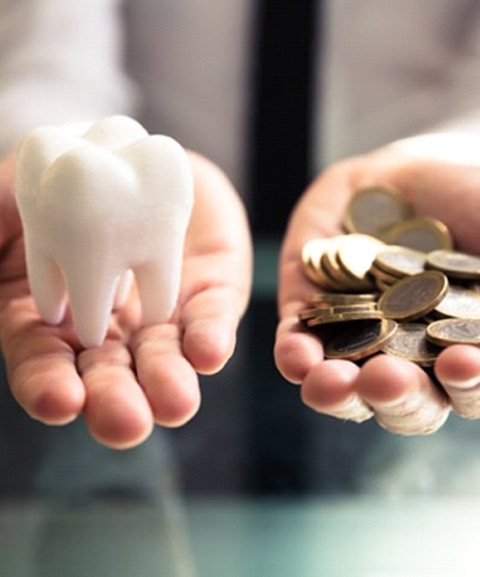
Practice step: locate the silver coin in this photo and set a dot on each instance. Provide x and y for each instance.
(455, 264)
(401, 261)
(374, 208)
(460, 303)
(409, 342)
(424, 234)
(454, 331)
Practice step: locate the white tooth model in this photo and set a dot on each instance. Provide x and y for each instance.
(98, 201)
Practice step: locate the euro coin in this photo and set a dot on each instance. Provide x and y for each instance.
(410, 343)
(362, 339)
(459, 302)
(356, 255)
(331, 269)
(381, 285)
(454, 331)
(400, 261)
(386, 277)
(311, 313)
(328, 311)
(341, 298)
(374, 208)
(334, 318)
(414, 296)
(423, 234)
(455, 264)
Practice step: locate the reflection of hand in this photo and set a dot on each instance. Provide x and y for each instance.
(399, 393)
(139, 375)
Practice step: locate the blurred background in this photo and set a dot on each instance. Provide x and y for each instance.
(257, 484)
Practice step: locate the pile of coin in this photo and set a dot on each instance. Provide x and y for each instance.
(393, 283)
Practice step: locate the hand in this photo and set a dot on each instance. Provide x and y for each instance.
(139, 376)
(398, 393)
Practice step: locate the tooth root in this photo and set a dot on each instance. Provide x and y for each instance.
(47, 285)
(158, 284)
(91, 301)
(123, 289)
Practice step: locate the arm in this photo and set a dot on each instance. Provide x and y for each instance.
(439, 175)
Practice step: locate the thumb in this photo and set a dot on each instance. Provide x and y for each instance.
(10, 225)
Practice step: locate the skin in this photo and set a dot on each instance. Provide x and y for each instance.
(397, 393)
(140, 376)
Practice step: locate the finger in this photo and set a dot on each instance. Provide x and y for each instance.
(329, 388)
(40, 365)
(168, 379)
(116, 410)
(319, 213)
(295, 351)
(458, 369)
(211, 319)
(403, 397)
(217, 270)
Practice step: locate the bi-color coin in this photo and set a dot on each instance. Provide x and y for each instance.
(374, 208)
(455, 264)
(424, 234)
(410, 343)
(362, 339)
(414, 296)
(454, 331)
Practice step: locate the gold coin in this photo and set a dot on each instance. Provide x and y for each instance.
(310, 254)
(385, 277)
(328, 311)
(311, 272)
(400, 261)
(374, 208)
(381, 285)
(354, 307)
(313, 247)
(331, 282)
(361, 340)
(424, 234)
(409, 342)
(455, 264)
(345, 317)
(355, 255)
(413, 296)
(454, 331)
(331, 269)
(460, 303)
(341, 298)
(311, 313)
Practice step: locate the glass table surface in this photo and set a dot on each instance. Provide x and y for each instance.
(268, 488)
(341, 537)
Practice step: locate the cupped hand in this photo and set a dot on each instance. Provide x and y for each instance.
(399, 394)
(140, 375)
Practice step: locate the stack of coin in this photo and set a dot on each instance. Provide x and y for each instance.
(343, 262)
(407, 301)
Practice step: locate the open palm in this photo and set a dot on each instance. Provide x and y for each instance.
(140, 375)
(398, 393)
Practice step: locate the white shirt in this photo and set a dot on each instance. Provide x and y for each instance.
(392, 68)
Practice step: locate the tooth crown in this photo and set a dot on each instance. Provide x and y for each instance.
(95, 203)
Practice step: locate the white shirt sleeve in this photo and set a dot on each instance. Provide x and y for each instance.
(457, 139)
(60, 61)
